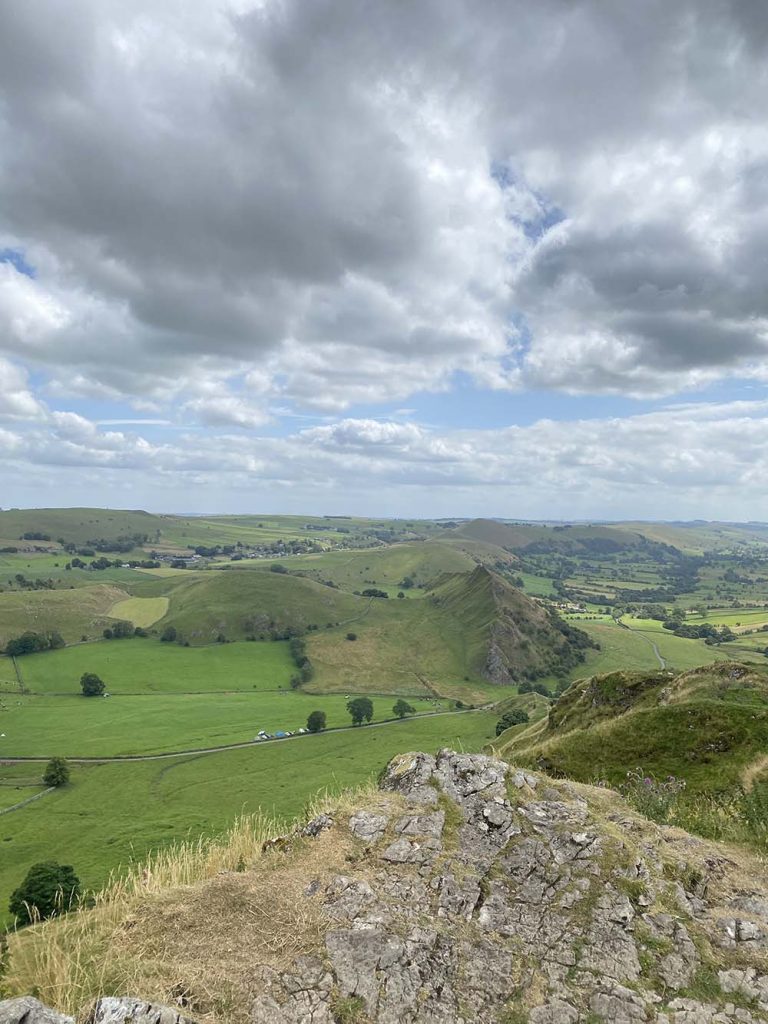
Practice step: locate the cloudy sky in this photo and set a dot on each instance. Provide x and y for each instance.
(418, 257)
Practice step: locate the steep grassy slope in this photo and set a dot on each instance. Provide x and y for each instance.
(706, 726)
(470, 627)
(510, 637)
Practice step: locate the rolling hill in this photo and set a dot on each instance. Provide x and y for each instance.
(243, 604)
(470, 628)
(566, 539)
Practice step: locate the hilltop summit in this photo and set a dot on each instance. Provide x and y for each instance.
(464, 891)
(510, 636)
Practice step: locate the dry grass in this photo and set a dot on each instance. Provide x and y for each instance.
(753, 771)
(197, 923)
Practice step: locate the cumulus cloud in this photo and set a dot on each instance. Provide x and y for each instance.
(228, 210)
(16, 400)
(671, 462)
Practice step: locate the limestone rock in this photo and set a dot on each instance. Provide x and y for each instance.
(127, 1010)
(368, 827)
(27, 1010)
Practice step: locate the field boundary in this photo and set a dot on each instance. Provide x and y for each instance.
(29, 800)
(19, 676)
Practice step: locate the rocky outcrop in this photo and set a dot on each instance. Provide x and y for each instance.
(27, 1010)
(473, 893)
(494, 896)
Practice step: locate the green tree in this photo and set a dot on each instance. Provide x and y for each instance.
(360, 708)
(56, 772)
(49, 888)
(514, 717)
(92, 685)
(403, 708)
(316, 721)
(169, 634)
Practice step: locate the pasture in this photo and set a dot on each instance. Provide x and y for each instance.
(70, 726)
(149, 666)
(114, 814)
(141, 611)
(19, 782)
(384, 568)
(632, 648)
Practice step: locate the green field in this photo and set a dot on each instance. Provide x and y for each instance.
(141, 611)
(114, 814)
(147, 666)
(47, 726)
(632, 648)
(19, 782)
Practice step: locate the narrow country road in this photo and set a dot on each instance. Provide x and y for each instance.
(661, 660)
(229, 746)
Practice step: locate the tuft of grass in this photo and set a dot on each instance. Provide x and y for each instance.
(69, 960)
(348, 1010)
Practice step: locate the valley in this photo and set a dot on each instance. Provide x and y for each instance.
(208, 632)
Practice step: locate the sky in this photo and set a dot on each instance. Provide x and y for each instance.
(413, 258)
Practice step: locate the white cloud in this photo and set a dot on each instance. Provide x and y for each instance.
(16, 400)
(678, 461)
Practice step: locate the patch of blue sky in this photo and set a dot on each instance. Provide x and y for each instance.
(544, 214)
(18, 260)
(467, 407)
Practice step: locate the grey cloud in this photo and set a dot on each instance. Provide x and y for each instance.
(305, 190)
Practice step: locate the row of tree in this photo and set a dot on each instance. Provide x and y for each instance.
(30, 643)
(360, 710)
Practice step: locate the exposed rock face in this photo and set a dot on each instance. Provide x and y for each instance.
(111, 1010)
(478, 894)
(30, 1011)
(497, 897)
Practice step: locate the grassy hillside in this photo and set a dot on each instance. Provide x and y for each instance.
(706, 726)
(384, 567)
(697, 537)
(470, 629)
(78, 525)
(72, 612)
(509, 636)
(242, 604)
